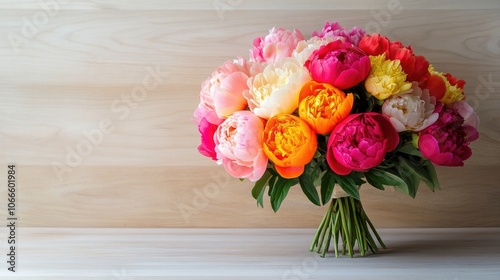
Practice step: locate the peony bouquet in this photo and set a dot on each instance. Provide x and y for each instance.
(329, 114)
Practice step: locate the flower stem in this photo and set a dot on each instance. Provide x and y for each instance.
(345, 219)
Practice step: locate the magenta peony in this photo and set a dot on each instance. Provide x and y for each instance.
(340, 64)
(360, 142)
(238, 144)
(207, 131)
(446, 142)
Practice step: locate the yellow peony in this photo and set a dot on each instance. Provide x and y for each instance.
(386, 78)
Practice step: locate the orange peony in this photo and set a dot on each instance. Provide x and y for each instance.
(289, 143)
(323, 106)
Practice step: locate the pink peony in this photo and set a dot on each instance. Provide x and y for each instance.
(222, 93)
(207, 131)
(238, 144)
(446, 142)
(360, 142)
(340, 64)
(467, 112)
(206, 111)
(334, 30)
(279, 43)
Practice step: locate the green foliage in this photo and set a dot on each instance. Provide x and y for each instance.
(403, 169)
(327, 185)
(279, 190)
(260, 188)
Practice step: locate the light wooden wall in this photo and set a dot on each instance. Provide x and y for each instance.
(85, 58)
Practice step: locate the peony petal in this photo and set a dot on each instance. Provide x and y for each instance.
(428, 146)
(290, 172)
(236, 170)
(347, 79)
(260, 166)
(389, 132)
(357, 157)
(335, 165)
(428, 122)
(207, 146)
(229, 98)
(471, 133)
(436, 86)
(397, 124)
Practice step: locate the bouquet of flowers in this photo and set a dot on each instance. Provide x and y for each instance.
(329, 114)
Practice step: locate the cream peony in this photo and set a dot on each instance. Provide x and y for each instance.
(412, 110)
(276, 89)
(305, 48)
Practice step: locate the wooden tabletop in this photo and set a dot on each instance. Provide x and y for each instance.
(125, 253)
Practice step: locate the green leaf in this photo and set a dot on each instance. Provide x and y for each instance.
(386, 177)
(280, 191)
(327, 185)
(272, 182)
(317, 179)
(432, 174)
(374, 181)
(412, 180)
(390, 178)
(259, 188)
(347, 184)
(417, 167)
(358, 178)
(409, 149)
(309, 189)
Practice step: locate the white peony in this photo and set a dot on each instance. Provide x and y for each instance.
(412, 110)
(306, 47)
(276, 89)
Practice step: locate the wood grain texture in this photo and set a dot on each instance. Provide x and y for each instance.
(118, 254)
(82, 67)
(175, 197)
(253, 5)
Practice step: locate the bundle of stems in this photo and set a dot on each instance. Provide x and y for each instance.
(346, 220)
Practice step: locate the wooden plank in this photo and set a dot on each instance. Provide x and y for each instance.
(96, 45)
(87, 253)
(63, 127)
(140, 196)
(68, 78)
(79, 68)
